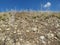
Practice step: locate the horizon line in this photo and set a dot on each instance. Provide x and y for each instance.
(27, 10)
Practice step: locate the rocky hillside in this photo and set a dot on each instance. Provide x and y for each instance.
(29, 28)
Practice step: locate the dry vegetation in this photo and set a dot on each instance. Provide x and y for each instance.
(29, 28)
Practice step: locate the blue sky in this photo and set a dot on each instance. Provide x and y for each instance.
(29, 4)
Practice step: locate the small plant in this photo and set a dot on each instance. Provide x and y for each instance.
(0, 17)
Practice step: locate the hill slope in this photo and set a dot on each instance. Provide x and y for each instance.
(29, 28)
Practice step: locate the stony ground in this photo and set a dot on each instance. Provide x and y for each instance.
(29, 28)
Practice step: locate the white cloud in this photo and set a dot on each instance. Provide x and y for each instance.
(48, 4)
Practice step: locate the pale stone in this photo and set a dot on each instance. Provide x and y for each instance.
(50, 35)
(8, 29)
(49, 42)
(8, 38)
(10, 42)
(34, 29)
(3, 39)
(14, 31)
(46, 24)
(20, 39)
(18, 43)
(57, 25)
(18, 30)
(43, 42)
(42, 37)
(27, 43)
(27, 30)
(0, 28)
(15, 26)
(19, 33)
(3, 25)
